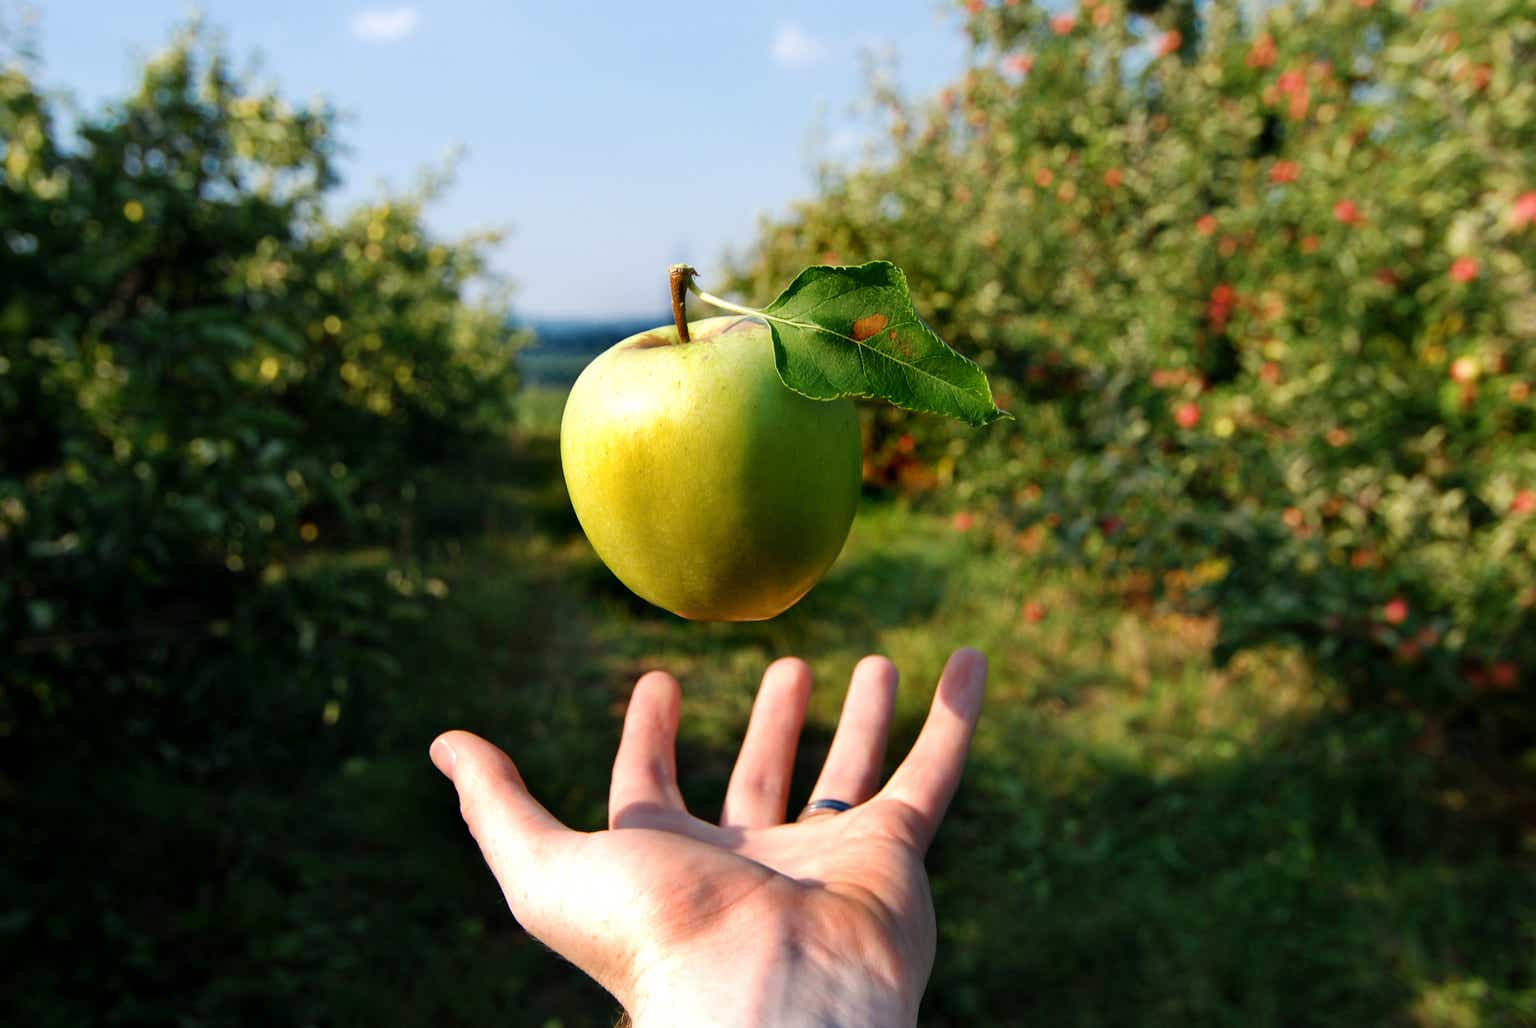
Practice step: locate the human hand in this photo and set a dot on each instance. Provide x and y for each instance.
(827, 920)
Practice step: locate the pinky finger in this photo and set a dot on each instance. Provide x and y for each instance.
(928, 777)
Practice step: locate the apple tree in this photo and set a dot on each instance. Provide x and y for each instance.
(1258, 284)
(203, 377)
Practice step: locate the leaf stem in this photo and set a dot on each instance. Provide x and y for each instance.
(681, 277)
(725, 305)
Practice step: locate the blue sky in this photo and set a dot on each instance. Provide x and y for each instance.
(610, 138)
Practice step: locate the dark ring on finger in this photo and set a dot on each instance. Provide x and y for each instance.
(829, 806)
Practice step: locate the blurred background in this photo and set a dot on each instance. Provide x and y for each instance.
(280, 495)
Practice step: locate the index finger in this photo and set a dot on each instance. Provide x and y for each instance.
(927, 779)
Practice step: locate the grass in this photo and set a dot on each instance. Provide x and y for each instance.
(1142, 838)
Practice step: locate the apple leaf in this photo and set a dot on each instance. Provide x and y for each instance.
(852, 331)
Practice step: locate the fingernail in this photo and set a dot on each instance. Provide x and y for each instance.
(442, 756)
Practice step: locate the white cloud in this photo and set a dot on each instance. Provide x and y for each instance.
(793, 47)
(384, 24)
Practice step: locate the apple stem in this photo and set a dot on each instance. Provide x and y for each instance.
(680, 276)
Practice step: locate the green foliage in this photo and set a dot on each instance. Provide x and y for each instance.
(214, 796)
(1260, 293)
(1141, 839)
(201, 377)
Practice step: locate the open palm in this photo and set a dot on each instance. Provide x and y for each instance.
(752, 920)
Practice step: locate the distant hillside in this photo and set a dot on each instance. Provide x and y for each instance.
(561, 348)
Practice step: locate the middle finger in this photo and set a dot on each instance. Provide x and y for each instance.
(759, 788)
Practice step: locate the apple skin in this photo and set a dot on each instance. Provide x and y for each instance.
(703, 482)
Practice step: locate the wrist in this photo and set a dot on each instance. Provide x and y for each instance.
(789, 982)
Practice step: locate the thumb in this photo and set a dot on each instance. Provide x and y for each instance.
(520, 840)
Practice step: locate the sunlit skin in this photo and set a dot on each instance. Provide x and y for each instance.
(751, 920)
(706, 485)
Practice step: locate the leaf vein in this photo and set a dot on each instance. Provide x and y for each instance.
(954, 387)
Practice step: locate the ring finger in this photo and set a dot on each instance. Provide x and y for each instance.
(852, 769)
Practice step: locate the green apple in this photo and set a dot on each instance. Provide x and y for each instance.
(706, 485)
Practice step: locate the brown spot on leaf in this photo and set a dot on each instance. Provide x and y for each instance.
(869, 326)
(892, 333)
